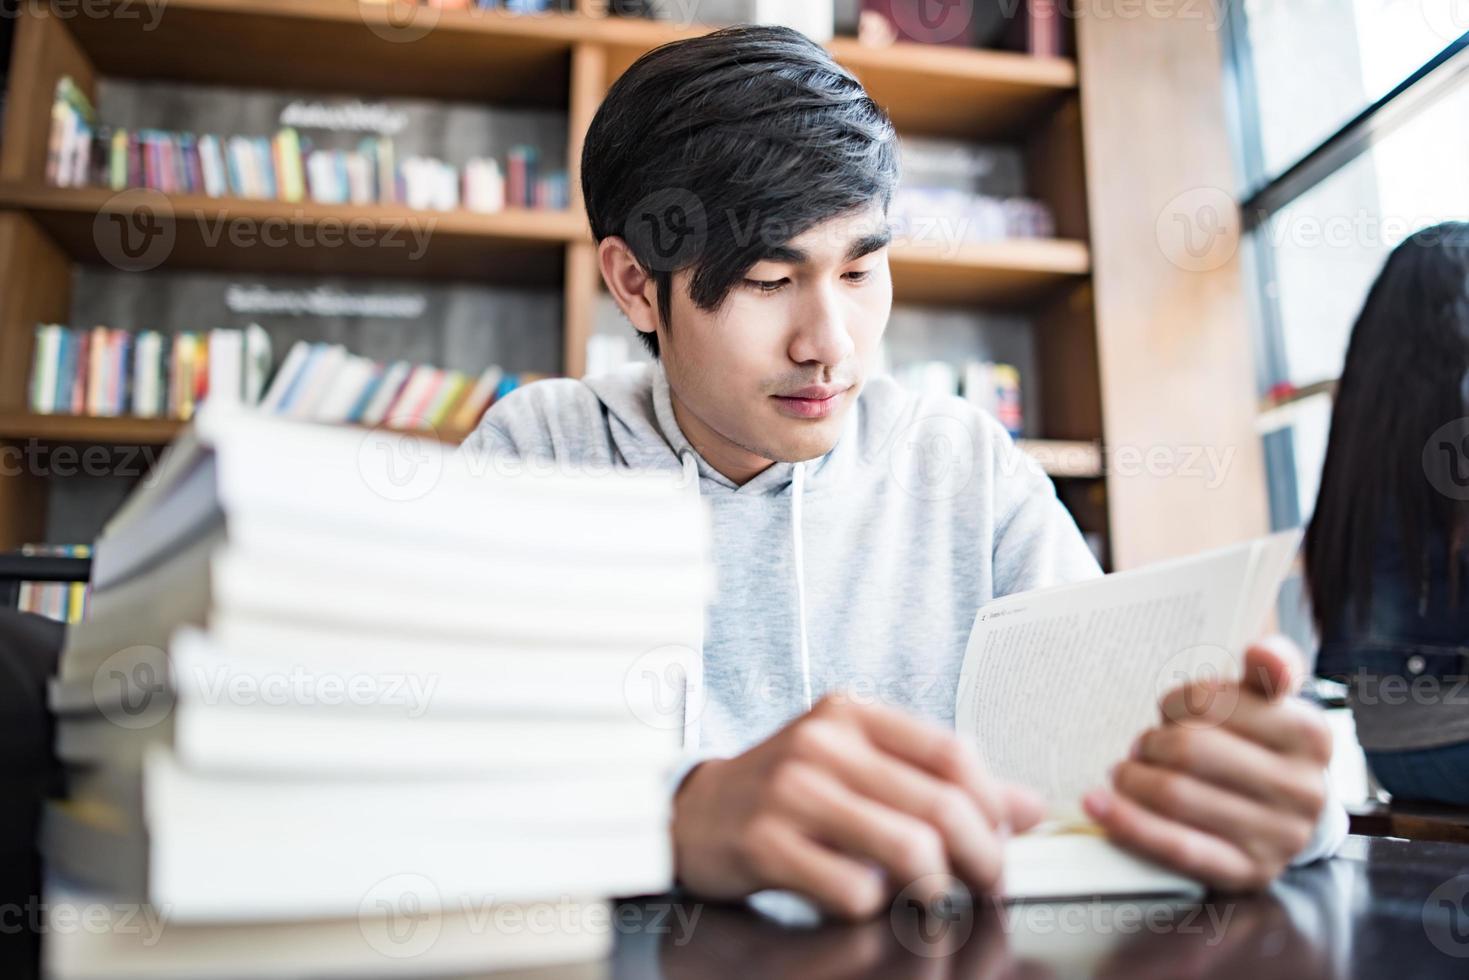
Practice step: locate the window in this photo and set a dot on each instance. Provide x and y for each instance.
(1353, 132)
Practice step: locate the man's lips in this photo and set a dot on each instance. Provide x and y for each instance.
(812, 402)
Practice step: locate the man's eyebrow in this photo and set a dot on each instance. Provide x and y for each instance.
(865, 245)
(868, 244)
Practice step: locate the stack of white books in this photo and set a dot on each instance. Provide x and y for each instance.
(334, 684)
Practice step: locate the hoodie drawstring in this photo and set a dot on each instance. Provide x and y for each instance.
(694, 679)
(694, 671)
(798, 489)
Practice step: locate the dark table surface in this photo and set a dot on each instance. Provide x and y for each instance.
(1383, 908)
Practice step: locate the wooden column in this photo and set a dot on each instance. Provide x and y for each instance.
(1185, 467)
(588, 88)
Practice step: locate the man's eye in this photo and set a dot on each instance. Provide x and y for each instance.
(859, 275)
(764, 285)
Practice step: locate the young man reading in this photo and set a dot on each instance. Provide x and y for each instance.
(737, 186)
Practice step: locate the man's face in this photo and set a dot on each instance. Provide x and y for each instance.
(772, 373)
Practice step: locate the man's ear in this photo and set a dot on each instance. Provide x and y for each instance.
(629, 283)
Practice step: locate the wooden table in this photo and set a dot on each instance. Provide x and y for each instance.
(1384, 908)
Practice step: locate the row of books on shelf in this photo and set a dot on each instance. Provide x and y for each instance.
(114, 372)
(285, 167)
(65, 602)
(108, 371)
(921, 213)
(993, 387)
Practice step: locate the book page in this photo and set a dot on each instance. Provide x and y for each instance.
(1057, 683)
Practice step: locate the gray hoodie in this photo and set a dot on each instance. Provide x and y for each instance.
(859, 571)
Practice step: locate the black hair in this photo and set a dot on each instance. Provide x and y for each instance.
(1404, 380)
(710, 152)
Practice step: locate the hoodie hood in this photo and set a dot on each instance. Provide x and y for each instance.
(861, 570)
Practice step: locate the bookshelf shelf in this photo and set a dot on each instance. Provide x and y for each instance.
(523, 247)
(494, 56)
(338, 46)
(515, 246)
(993, 274)
(122, 430)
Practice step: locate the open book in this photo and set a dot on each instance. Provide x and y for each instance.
(1057, 683)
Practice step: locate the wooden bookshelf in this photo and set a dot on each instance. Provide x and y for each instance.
(1004, 274)
(516, 247)
(557, 61)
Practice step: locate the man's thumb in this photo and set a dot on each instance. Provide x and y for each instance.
(1274, 668)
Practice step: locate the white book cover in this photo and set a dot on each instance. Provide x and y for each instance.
(226, 365)
(1057, 683)
(211, 162)
(147, 374)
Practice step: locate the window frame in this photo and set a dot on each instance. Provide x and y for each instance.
(1261, 195)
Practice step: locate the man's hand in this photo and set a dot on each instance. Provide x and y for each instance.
(848, 804)
(1229, 786)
